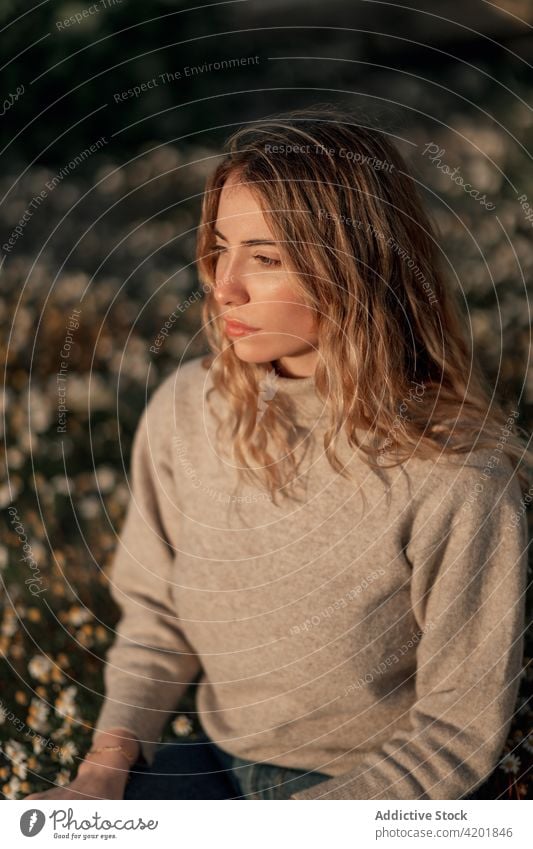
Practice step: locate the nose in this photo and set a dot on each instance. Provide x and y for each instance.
(229, 284)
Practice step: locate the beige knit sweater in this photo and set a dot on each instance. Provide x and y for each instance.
(376, 639)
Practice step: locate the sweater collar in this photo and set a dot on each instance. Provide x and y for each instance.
(310, 409)
(295, 385)
(303, 393)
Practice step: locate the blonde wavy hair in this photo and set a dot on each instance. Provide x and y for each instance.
(342, 203)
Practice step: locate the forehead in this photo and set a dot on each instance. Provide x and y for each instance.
(239, 208)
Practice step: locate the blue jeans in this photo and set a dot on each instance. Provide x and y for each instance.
(199, 769)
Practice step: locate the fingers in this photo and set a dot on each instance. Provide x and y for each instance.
(38, 796)
(48, 794)
(67, 793)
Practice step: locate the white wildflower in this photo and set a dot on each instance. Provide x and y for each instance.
(122, 494)
(40, 410)
(527, 743)
(38, 745)
(62, 778)
(61, 484)
(81, 396)
(79, 615)
(38, 715)
(65, 702)
(9, 625)
(15, 751)
(13, 788)
(68, 752)
(15, 457)
(89, 507)
(8, 494)
(20, 770)
(182, 725)
(510, 763)
(40, 667)
(105, 477)
(18, 756)
(63, 731)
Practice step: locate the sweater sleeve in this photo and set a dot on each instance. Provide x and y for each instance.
(150, 664)
(468, 583)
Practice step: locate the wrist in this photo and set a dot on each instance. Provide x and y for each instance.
(104, 772)
(118, 744)
(113, 764)
(111, 755)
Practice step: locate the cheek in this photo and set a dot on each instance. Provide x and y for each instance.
(286, 311)
(296, 318)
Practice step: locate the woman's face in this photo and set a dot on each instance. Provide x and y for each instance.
(253, 285)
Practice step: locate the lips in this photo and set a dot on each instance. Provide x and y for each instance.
(238, 325)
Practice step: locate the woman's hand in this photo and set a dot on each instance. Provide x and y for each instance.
(101, 775)
(95, 782)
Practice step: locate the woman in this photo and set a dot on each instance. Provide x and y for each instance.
(324, 533)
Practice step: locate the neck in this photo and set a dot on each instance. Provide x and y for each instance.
(298, 368)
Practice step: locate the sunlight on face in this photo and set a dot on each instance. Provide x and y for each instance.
(253, 285)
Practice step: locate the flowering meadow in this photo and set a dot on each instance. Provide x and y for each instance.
(100, 265)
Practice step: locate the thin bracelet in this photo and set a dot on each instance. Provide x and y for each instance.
(131, 759)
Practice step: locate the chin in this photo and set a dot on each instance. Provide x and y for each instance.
(251, 357)
(247, 354)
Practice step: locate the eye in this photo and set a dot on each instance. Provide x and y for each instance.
(266, 260)
(218, 250)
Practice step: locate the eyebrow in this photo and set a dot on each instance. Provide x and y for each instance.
(247, 241)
